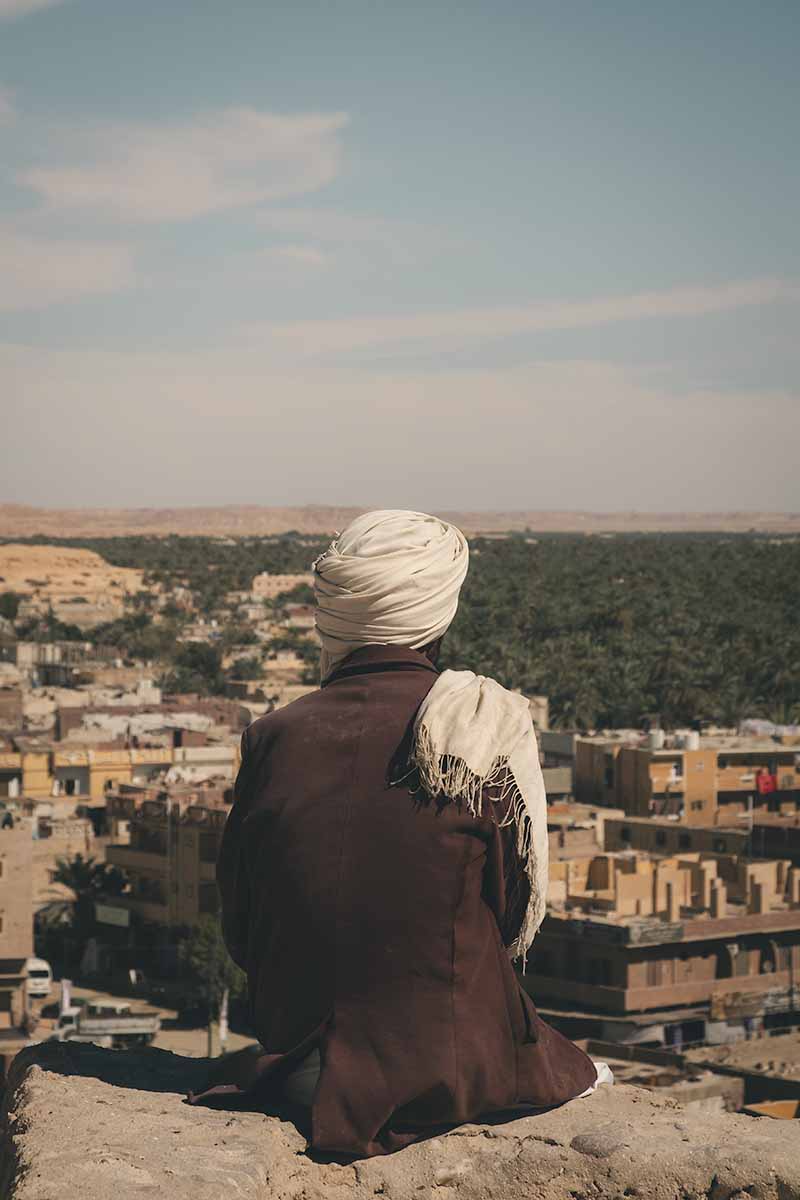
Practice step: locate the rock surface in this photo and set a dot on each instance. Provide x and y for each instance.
(83, 1123)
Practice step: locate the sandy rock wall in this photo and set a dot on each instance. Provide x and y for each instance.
(83, 1123)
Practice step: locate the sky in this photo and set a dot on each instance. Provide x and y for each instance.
(506, 255)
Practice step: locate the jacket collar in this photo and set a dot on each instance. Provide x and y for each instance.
(373, 658)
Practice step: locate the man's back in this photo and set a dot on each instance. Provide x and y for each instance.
(370, 920)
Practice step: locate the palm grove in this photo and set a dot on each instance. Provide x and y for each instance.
(612, 629)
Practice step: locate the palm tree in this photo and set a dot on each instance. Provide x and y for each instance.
(88, 880)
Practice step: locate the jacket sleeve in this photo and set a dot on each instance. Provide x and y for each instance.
(232, 878)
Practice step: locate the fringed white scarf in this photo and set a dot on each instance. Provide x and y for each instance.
(470, 733)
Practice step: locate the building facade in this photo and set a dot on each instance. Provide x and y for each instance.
(170, 858)
(698, 943)
(16, 919)
(705, 782)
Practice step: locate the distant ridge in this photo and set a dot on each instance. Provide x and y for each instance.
(21, 520)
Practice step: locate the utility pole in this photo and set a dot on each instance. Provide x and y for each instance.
(223, 1022)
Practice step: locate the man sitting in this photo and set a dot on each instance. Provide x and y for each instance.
(384, 860)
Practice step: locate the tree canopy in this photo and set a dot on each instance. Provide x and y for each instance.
(611, 628)
(210, 967)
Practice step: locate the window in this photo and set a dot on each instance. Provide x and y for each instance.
(697, 805)
(684, 841)
(625, 833)
(608, 778)
(661, 837)
(600, 972)
(719, 845)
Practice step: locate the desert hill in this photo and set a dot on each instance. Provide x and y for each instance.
(19, 520)
(56, 572)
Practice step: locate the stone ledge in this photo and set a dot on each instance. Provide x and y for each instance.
(83, 1123)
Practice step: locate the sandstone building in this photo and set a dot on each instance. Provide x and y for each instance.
(16, 918)
(689, 948)
(701, 781)
(173, 839)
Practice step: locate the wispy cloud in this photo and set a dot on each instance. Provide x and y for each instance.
(331, 225)
(466, 326)
(8, 110)
(229, 158)
(359, 236)
(307, 256)
(38, 272)
(9, 9)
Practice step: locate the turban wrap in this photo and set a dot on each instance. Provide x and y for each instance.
(392, 578)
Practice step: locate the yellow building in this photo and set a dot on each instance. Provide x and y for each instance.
(706, 781)
(90, 773)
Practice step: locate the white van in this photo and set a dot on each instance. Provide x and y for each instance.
(40, 977)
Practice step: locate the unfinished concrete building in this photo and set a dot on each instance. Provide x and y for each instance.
(170, 857)
(693, 947)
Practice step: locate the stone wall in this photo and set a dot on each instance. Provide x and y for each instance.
(83, 1123)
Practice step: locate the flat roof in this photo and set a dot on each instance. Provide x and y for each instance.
(653, 931)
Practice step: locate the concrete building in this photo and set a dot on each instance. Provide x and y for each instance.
(662, 836)
(89, 772)
(698, 1088)
(267, 587)
(689, 948)
(11, 711)
(60, 830)
(16, 919)
(773, 835)
(576, 830)
(301, 616)
(701, 781)
(556, 749)
(170, 856)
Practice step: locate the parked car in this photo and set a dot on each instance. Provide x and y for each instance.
(39, 977)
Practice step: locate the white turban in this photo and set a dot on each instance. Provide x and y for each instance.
(392, 577)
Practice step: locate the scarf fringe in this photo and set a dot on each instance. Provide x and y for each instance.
(445, 775)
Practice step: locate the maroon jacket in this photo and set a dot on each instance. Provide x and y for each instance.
(373, 922)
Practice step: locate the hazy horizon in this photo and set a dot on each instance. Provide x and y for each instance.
(532, 257)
